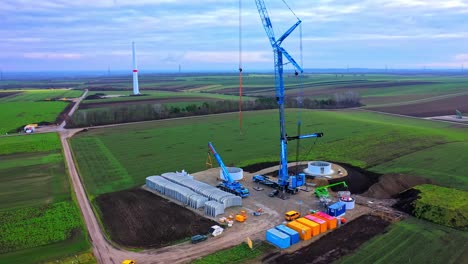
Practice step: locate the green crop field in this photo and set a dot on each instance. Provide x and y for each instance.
(29, 106)
(442, 206)
(40, 95)
(414, 241)
(39, 219)
(445, 164)
(120, 157)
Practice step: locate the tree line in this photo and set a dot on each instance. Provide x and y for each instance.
(154, 111)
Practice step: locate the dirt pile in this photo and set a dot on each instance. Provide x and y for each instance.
(406, 201)
(390, 185)
(335, 244)
(139, 219)
(358, 180)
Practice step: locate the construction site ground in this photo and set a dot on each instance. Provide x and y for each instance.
(161, 228)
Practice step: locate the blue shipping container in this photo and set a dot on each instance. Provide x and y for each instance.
(278, 238)
(337, 209)
(293, 235)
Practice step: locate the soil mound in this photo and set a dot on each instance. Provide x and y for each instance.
(335, 244)
(358, 180)
(406, 201)
(139, 219)
(390, 185)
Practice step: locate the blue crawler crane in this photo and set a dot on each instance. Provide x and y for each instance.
(285, 181)
(228, 184)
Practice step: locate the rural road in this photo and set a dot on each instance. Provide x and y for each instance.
(72, 111)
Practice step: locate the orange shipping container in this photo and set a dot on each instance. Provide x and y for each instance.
(323, 224)
(331, 221)
(314, 226)
(305, 233)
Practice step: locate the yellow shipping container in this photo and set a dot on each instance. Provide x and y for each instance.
(305, 233)
(312, 225)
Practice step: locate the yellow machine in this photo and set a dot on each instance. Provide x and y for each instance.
(242, 216)
(127, 261)
(291, 215)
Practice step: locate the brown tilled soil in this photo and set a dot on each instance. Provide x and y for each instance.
(440, 107)
(391, 185)
(139, 219)
(146, 101)
(336, 244)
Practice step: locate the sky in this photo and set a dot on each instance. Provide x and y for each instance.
(203, 35)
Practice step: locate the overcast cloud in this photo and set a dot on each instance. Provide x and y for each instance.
(203, 35)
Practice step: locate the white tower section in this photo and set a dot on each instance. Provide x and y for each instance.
(136, 89)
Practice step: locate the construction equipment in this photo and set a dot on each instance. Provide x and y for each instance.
(291, 215)
(265, 180)
(259, 212)
(228, 184)
(285, 181)
(241, 217)
(322, 191)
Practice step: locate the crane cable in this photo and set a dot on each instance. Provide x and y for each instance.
(240, 66)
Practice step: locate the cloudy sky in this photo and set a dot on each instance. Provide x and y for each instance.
(51, 35)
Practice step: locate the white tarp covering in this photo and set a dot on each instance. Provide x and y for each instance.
(211, 192)
(175, 191)
(213, 208)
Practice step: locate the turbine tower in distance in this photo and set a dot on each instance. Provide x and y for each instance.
(136, 89)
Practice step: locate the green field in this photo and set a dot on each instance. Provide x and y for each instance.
(414, 241)
(29, 107)
(236, 254)
(39, 219)
(442, 206)
(40, 95)
(121, 157)
(445, 164)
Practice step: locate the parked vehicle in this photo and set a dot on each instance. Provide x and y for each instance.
(291, 215)
(198, 238)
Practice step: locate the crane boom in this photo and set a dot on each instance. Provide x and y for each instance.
(279, 52)
(228, 183)
(226, 174)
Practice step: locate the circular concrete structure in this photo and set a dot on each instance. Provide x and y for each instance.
(349, 202)
(319, 168)
(237, 174)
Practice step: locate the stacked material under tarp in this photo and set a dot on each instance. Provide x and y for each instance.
(211, 192)
(213, 208)
(175, 191)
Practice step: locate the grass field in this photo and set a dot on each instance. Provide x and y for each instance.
(414, 241)
(442, 206)
(445, 164)
(39, 219)
(236, 254)
(121, 157)
(28, 107)
(40, 95)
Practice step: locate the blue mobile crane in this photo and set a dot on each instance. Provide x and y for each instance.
(228, 184)
(285, 181)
